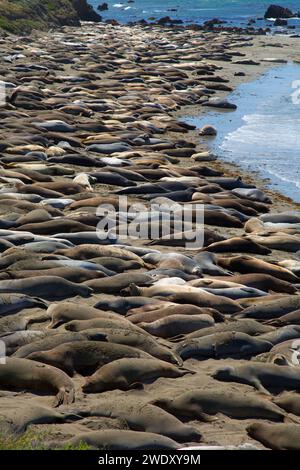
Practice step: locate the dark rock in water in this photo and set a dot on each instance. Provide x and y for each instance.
(167, 20)
(103, 7)
(212, 23)
(279, 22)
(85, 11)
(239, 74)
(276, 11)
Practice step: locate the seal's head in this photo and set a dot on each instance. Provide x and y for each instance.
(224, 373)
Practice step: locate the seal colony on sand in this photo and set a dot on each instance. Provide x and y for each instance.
(125, 325)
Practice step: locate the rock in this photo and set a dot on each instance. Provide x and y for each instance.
(210, 24)
(208, 130)
(239, 74)
(276, 11)
(103, 7)
(85, 11)
(279, 22)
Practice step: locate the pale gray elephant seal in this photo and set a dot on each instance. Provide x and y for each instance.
(144, 418)
(221, 345)
(46, 287)
(290, 402)
(276, 436)
(86, 356)
(127, 373)
(260, 375)
(116, 439)
(16, 415)
(202, 404)
(23, 374)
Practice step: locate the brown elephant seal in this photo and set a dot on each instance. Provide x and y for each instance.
(276, 436)
(290, 402)
(46, 287)
(282, 334)
(128, 373)
(177, 324)
(18, 374)
(247, 325)
(50, 342)
(237, 245)
(144, 418)
(260, 376)
(143, 315)
(202, 404)
(269, 309)
(18, 415)
(89, 251)
(292, 318)
(85, 357)
(76, 275)
(116, 439)
(137, 340)
(115, 284)
(65, 312)
(221, 345)
(13, 303)
(196, 297)
(249, 264)
(103, 322)
(261, 281)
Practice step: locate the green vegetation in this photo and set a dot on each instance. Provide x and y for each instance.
(33, 441)
(21, 16)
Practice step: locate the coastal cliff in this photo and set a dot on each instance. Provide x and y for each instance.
(21, 16)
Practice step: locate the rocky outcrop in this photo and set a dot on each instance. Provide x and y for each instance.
(23, 16)
(276, 11)
(85, 11)
(103, 7)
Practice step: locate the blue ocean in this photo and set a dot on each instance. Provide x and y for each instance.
(235, 12)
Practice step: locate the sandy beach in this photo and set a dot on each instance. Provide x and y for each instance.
(94, 113)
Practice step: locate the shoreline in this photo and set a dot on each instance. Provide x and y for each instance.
(95, 113)
(252, 73)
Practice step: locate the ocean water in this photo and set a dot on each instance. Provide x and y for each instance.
(236, 12)
(263, 134)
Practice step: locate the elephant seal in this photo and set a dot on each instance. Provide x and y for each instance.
(160, 311)
(247, 326)
(260, 375)
(114, 284)
(20, 321)
(19, 373)
(144, 418)
(292, 318)
(249, 264)
(288, 401)
(281, 335)
(51, 341)
(65, 312)
(115, 439)
(196, 297)
(209, 264)
(202, 404)
(46, 287)
(137, 340)
(17, 416)
(76, 275)
(177, 324)
(108, 322)
(269, 309)
(128, 373)
(237, 245)
(85, 357)
(89, 251)
(265, 282)
(276, 436)
(222, 345)
(123, 304)
(13, 303)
